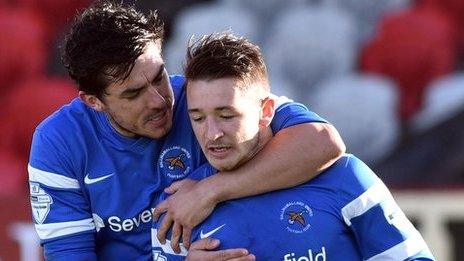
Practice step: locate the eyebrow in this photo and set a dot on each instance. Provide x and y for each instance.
(136, 89)
(224, 108)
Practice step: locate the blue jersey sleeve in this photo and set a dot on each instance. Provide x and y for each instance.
(289, 113)
(381, 229)
(202, 172)
(61, 214)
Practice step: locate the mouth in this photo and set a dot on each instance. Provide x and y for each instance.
(159, 119)
(220, 151)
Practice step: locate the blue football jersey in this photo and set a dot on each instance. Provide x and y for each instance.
(93, 190)
(346, 213)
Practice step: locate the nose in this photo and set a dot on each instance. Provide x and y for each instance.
(213, 129)
(155, 99)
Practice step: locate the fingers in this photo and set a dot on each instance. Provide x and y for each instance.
(205, 244)
(174, 187)
(159, 209)
(249, 257)
(233, 254)
(163, 229)
(175, 237)
(186, 234)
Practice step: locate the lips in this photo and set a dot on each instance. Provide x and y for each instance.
(220, 151)
(158, 119)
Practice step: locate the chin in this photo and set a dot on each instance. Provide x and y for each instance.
(223, 166)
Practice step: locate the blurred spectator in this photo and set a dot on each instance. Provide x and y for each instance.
(412, 47)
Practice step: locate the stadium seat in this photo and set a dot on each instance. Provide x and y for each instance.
(205, 19)
(368, 13)
(22, 47)
(444, 99)
(362, 107)
(455, 10)
(27, 105)
(282, 87)
(55, 13)
(13, 174)
(309, 44)
(265, 10)
(412, 47)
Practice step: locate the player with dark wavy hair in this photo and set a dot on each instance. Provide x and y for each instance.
(347, 213)
(98, 164)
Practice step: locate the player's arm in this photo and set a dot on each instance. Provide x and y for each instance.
(381, 229)
(304, 144)
(60, 212)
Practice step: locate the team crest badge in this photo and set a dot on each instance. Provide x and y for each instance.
(296, 216)
(40, 202)
(175, 162)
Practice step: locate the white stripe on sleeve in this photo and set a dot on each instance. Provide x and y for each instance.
(51, 179)
(52, 230)
(410, 247)
(371, 197)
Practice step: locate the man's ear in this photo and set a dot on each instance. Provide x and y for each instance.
(267, 111)
(92, 101)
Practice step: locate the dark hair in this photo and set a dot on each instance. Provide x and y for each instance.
(104, 42)
(221, 55)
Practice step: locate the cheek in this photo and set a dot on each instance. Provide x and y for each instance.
(249, 127)
(166, 92)
(198, 130)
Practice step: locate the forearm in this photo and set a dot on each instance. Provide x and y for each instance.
(294, 156)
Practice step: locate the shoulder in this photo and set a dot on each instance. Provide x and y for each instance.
(356, 176)
(62, 137)
(68, 118)
(177, 84)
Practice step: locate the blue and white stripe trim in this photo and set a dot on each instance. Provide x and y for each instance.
(52, 230)
(376, 194)
(410, 247)
(51, 179)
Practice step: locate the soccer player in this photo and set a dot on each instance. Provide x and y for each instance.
(98, 164)
(346, 213)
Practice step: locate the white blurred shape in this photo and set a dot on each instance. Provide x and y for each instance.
(204, 19)
(368, 12)
(28, 240)
(363, 109)
(444, 98)
(308, 44)
(282, 87)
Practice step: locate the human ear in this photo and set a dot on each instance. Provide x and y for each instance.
(92, 101)
(267, 111)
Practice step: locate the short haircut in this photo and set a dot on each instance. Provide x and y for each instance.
(224, 55)
(104, 42)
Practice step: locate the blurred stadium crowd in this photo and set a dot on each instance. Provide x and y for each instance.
(387, 73)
